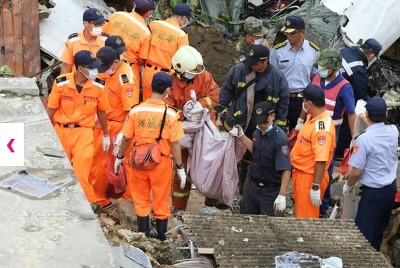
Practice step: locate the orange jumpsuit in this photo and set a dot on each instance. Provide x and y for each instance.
(315, 142)
(122, 95)
(143, 126)
(207, 94)
(77, 42)
(136, 35)
(166, 38)
(74, 119)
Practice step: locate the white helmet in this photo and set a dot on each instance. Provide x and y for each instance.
(188, 60)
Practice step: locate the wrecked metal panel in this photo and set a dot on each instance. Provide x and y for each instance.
(372, 19)
(254, 241)
(65, 19)
(337, 6)
(60, 229)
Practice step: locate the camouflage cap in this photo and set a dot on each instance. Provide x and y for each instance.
(254, 26)
(331, 58)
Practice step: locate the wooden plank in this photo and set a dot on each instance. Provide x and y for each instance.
(2, 48)
(30, 39)
(8, 37)
(18, 52)
(205, 251)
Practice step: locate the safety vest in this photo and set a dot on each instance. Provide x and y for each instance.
(330, 97)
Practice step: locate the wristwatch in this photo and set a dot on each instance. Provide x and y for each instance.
(315, 186)
(119, 157)
(180, 166)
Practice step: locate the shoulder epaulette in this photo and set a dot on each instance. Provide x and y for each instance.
(72, 35)
(124, 78)
(282, 44)
(314, 45)
(61, 79)
(100, 81)
(173, 108)
(105, 34)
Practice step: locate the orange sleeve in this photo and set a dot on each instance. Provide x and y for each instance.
(210, 92)
(129, 95)
(67, 56)
(145, 47)
(129, 126)
(103, 104)
(54, 98)
(184, 41)
(175, 129)
(321, 145)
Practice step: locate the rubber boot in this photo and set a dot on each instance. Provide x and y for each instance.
(161, 226)
(143, 225)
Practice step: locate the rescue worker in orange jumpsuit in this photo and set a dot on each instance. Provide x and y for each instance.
(90, 38)
(189, 73)
(143, 126)
(166, 38)
(74, 101)
(311, 154)
(133, 29)
(122, 96)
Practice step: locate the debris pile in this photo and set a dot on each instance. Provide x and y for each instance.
(120, 229)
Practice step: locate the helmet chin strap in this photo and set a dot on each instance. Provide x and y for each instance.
(180, 76)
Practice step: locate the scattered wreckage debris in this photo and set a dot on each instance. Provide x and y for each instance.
(120, 228)
(255, 241)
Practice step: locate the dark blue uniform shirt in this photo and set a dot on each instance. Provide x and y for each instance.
(271, 155)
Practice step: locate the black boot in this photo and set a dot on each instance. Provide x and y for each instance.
(143, 225)
(161, 226)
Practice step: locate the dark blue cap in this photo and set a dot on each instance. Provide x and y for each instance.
(162, 79)
(293, 23)
(257, 53)
(107, 56)
(261, 112)
(117, 43)
(86, 58)
(376, 106)
(93, 14)
(373, 45)
(314, 93)
(143, 6)
(182, 9)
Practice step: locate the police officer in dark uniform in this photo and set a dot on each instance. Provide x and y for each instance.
(269, 172)
(355, 61)
(247, 83)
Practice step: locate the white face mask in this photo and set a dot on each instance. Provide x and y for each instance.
(92, 74)
(258, 41)
(188, 76)
(96, 31)
(186, 23)
(304, 109)
(268, 129)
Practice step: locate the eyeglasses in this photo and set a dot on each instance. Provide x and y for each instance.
(292, 33)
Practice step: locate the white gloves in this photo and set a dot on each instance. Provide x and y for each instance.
(117, 163)
(300, 123)
(280, 204)
(237, 131)
(360, 107)
(182, 177)
(315, 196)
(347, 188)
(118, 140)
(106, 143)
